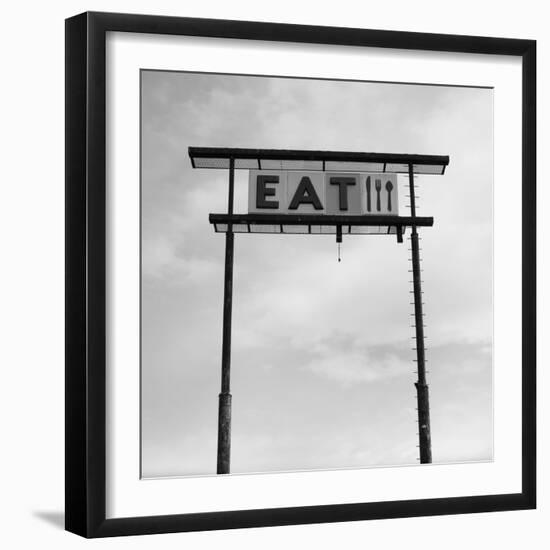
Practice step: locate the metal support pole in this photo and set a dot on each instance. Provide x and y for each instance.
(224, 410)
(424, 431)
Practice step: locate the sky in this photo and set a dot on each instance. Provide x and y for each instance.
(322, 372)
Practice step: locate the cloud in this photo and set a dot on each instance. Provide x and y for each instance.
(162, 261)
(357, 367)
(350, 359)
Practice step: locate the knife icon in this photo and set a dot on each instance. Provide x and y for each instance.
(368, 194)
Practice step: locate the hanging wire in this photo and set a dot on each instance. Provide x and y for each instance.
(339, 240)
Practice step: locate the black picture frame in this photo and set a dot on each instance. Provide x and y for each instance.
(86, 276)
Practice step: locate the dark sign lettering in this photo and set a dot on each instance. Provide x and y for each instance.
(262, 192)
(343, 182)
(305, 194)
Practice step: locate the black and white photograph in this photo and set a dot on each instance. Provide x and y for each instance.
(324, 300)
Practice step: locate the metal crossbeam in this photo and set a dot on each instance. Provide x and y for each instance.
(320, 219)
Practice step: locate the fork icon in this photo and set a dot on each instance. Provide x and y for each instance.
(378, 187)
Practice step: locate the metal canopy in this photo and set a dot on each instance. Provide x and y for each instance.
(339, 161)
(312, 224)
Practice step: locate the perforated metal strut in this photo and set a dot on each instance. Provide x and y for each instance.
(422, 391)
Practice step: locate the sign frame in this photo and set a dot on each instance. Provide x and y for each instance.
(86, 260)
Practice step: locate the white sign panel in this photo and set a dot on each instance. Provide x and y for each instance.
(332, 193)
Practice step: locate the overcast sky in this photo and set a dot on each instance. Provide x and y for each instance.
(322, 363)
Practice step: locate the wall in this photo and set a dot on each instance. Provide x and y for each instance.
(31, 289)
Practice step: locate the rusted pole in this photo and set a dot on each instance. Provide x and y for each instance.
(422, 393)
(224, 411)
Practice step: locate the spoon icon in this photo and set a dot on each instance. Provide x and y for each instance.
(389, 189)
(378, 187)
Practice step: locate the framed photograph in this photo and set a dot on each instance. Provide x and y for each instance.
(300, 274)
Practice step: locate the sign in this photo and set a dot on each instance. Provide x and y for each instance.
(331, 193)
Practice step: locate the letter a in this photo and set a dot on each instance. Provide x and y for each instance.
(305, 194)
